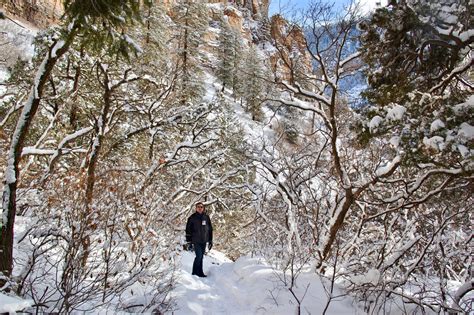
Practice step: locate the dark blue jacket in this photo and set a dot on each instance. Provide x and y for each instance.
(199, 228)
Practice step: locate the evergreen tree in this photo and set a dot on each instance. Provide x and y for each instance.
(191, 21)
(230, 49)
(418, 73)
(254, 85)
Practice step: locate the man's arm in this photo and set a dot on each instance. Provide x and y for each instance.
(189, 231)
(210, 229)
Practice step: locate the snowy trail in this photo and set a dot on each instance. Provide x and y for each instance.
(212, 295)
(248, 286)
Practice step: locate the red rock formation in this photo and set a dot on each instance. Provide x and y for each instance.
(234, 18)
(42, 13)
(288, 39)
(39, 13)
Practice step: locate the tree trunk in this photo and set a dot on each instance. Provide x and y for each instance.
(12, 173)
(87, 216)
(185, 62)
(336, 226)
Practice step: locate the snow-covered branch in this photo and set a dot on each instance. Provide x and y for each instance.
(298, 90)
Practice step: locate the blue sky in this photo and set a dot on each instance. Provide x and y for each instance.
(288, 5)
(296, 4)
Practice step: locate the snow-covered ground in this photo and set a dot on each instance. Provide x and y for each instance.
(11, 304)
(245, 287)
(249, 286)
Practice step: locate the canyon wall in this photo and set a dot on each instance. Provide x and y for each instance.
(42, 13)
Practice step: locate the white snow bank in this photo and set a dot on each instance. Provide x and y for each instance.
(372, 276)
(250, 286)
(10, 304)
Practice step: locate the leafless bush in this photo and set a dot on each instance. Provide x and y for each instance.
(60, 276)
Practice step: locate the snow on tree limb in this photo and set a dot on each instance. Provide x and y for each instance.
(299, 90)
(461, 292)
(350, 58)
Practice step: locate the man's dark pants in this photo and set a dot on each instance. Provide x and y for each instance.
(199, 249)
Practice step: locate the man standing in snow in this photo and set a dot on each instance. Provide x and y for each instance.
(198, 233)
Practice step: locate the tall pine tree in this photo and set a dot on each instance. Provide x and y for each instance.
(230, 49)
(191, 21)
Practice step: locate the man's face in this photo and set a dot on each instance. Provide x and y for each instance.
(200, 208)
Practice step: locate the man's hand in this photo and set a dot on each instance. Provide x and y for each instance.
(209, 246)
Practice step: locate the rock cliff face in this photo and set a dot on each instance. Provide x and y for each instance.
(39, 13)
(290, 41)
(287, 35)
(42, 13)
(259, 8)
